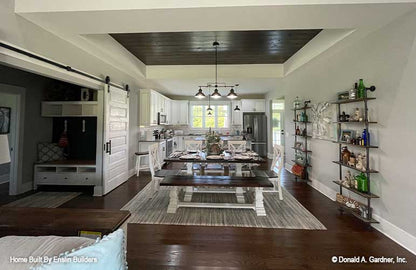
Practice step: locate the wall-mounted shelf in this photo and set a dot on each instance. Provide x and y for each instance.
(352, 100)
(357, 215)
(304, 150)
(355, 122)
(353, 168)
(368, 196)
(357, 145)
(69, 108)
(301, 150)
(362, 194)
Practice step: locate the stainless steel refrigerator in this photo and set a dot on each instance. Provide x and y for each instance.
(255, 126)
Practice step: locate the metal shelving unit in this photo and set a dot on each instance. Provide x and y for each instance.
(305, 139)
(368, 171)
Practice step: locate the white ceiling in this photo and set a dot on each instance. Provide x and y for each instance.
(189, 87)
(86, 24)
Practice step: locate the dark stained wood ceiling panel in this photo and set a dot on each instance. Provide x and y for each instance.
(236, 47)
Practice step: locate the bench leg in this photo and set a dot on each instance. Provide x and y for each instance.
(189, 167)
(260, 211)
(239, 169)
(239, 194)
(188, 194)
(173, 202)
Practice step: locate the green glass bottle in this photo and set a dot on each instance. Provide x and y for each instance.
(361, 89)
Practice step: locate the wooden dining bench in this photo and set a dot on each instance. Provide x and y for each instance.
(177, 181)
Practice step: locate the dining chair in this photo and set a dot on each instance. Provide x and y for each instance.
(237, 146)
(193, 145)
(276, 168)
(154, 165)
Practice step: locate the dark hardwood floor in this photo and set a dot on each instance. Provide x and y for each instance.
(197, 247)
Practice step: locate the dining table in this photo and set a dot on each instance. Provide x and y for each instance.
(239, 159)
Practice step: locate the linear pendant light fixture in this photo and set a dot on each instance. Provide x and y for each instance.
(216, 94)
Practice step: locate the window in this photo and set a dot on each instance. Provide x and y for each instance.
(218, 119)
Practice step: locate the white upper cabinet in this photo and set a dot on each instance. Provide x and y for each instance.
(180, 112)
(253, 105)
(237, 116)
(150, 103)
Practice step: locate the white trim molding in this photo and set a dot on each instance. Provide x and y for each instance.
(395, 233)
(398, 235)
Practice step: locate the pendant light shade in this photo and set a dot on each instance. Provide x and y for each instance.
(210, 112)
(237, 109)
(216, 94)
(209, 108)
(200, 95)
(232, 94)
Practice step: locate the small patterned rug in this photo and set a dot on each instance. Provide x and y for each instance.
(44, 199)
(287, 214)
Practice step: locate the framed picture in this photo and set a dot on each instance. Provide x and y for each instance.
(346, 135)
(5, 120)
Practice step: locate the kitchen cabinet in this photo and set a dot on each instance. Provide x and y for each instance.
(253, 105)
(168, 109)
(150, 104)
(236, 116)
(179, 112)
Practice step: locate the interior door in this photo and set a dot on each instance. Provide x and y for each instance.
(116, 134)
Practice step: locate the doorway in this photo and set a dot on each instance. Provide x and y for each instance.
(12, 97)
(278, 116)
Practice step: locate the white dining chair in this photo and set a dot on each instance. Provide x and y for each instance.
(237, 146)
(276, 170)
(154, 165)
(193, 145)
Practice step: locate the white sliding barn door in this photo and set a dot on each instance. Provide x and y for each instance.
(116, 134)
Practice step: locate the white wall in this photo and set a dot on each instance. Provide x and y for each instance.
(387, 59)
(19, 32)
(36, 128)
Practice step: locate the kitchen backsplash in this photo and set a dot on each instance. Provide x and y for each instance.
(186, 130)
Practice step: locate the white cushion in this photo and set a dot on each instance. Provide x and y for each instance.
(26, 246)
(106, 254)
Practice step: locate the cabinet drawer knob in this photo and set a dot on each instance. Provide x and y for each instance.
(45, 177)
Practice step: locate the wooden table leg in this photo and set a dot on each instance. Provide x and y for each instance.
(188, 194)
(173, 202)
(260, 211)
(239, 194)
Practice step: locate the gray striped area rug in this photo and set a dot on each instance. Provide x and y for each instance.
(285, 214)
(44, 199)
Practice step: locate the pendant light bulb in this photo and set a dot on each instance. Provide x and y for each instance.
(200, 94)
(216, 94)
(232, 94)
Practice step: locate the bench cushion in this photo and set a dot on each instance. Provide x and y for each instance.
(218, 181)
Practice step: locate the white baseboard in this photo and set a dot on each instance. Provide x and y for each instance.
(324, 189)
(398, 235)
(132, 172)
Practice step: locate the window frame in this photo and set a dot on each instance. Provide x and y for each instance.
(214, 106)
